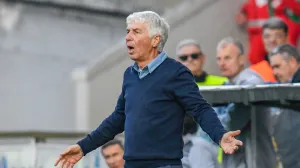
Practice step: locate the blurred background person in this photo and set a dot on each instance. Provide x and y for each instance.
(113, 152)
(254, 13)
(231, 61)
(275, 32)
(189, 53)
(285, 62)
(197, 152)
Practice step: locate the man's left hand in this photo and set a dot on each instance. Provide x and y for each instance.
(229, 144)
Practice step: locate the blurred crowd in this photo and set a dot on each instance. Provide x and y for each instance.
(273, 28)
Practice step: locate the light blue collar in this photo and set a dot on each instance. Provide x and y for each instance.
(153, 64)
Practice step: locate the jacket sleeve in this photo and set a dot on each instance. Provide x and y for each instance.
(107, 130)
(188, 96)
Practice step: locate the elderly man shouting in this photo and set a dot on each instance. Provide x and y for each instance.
(157, 92)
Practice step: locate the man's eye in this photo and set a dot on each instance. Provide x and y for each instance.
(137, 31)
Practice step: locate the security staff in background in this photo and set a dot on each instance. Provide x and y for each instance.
(189, 53)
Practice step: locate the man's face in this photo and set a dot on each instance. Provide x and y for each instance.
(230, 61)
(283, 69)
(138, 41)
(113, 156)
(192, 58)
(273, 37)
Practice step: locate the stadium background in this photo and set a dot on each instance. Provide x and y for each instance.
(61, 66)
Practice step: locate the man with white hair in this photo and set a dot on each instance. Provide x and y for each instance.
(156, 94)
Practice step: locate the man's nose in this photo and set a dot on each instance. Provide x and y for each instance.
(272, 39)
(275, 72)
(110, 161)
(189, 59)
(221, 63)
(128, 37)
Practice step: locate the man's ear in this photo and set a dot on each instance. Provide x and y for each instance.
(155, 41)
(203, 59)
(293, 62)
(242, 59)
(287, 38)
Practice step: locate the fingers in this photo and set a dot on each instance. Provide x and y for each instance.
(229, 150)
(61, 157)
(232, 149)
(68, 165)
(58, 160)
(238, 143)
(63, 163)
(235, 133)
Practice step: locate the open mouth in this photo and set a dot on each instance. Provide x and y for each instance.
(130, 49)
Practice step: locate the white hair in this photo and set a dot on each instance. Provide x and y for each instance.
(156, 25)
(230, 40)
(187, 42)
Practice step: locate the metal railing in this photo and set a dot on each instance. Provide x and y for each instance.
(257, 100)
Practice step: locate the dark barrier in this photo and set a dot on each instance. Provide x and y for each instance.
(269, 118)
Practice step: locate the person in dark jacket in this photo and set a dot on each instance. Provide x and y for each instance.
(285, 62)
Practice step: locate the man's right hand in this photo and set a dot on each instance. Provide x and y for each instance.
(69, 157)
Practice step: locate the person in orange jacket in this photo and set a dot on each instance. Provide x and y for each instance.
(255, 12)
(275, 32)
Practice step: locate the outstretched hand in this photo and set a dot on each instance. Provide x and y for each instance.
(229, 144)
(69, 157)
